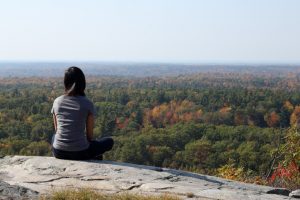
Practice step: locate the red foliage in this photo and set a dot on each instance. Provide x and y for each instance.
(285, 176)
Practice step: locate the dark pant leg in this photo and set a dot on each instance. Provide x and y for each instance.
(98, 147)
(70, 155)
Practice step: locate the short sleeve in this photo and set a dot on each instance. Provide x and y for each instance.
(53, 108)
(91, 108)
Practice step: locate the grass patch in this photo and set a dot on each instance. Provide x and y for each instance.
(89, 194)
(190, 195)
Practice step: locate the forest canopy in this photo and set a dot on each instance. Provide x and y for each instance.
(239, 126)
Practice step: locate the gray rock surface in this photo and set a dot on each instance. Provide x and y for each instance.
(16, 192)
(44, 174)
(295, 193)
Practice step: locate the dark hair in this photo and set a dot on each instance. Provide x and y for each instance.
(74, 82)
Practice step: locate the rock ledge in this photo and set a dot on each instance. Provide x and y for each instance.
(43, 174)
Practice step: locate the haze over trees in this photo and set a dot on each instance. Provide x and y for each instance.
(138, 69)
(237, 125)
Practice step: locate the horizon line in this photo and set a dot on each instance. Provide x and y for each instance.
(246, 63)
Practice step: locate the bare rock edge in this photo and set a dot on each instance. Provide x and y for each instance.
(33, 175)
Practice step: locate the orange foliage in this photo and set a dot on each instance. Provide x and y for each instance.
(152, 149)
(173, 112)
(225, 109)
(273, 119)
(4, 145)
(186, 117)
(295, 116)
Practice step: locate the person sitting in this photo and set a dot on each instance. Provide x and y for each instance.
(73, 117)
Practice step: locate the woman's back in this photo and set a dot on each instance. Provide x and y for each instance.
(71, 113)
(73, 119)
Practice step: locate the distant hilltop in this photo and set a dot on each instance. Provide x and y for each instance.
(33, 175)
(56, 69)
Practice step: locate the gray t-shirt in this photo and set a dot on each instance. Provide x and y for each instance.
(71, 113)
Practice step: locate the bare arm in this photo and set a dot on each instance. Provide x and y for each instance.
(55, 122)
(89, 127)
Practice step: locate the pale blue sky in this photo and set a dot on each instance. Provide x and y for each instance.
(204, 31)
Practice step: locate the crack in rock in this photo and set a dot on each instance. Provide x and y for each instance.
(194, 175)
(51, 170)
(94, 179)
(50, 180)
(171, 178)
(133, 186)
(164, 188)
(158, 169)
(18, 161)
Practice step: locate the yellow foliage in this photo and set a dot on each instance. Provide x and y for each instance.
(225, 109)
(29, 120)
(230, 172)
(131, 104)
(238, 174)
(3, 117)
(288, 105)
(200, 112)
(164, 107)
